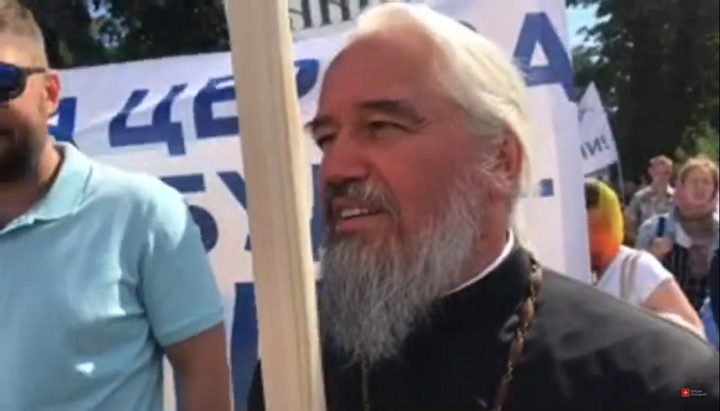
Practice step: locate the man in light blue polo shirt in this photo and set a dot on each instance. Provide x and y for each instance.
(102, 272)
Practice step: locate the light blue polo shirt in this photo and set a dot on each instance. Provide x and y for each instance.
(94, 280)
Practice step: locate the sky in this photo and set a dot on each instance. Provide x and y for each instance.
(579, 18)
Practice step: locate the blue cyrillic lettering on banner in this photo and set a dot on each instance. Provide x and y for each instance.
(593, 147)
(236, 184)
(64, 130)
(208, 226)
(306, 76)
(537, 29)
(222, 89)
(233, 180)
(161, 130)
(603, 141)
(244, 344)
(581, 113)
(547, 188)
(217, 90)
(190, 184)
(186, 184)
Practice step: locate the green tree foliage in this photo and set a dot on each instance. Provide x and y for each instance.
(67, 26)
(656, 66)
(87, 32)
(144, 29)
(705, 142)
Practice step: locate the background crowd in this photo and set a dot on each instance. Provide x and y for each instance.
(672, 219)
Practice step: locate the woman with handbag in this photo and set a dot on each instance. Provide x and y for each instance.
(686, 238)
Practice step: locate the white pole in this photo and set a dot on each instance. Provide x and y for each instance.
(278, 180)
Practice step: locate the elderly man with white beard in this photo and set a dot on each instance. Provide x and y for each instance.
(428, 300)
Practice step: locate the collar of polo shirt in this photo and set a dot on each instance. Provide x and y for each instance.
(66, 193)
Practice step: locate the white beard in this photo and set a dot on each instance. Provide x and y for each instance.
(373, 296)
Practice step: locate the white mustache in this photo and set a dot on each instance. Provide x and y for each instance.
(364, 191)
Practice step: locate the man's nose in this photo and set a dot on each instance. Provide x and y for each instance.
(344, 161)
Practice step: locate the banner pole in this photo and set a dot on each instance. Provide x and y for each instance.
(277, 173)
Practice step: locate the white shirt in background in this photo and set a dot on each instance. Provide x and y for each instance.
(649, 274)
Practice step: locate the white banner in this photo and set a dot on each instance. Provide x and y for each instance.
(175, 118)
(596, 137)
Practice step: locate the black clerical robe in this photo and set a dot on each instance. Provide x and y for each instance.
(584, 351)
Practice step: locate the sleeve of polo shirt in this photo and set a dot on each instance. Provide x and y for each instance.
(179, 290)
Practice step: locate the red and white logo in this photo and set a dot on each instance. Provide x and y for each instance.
(685, 392)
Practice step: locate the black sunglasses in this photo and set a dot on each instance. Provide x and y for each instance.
(13, 80)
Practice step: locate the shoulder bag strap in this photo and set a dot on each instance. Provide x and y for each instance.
(627, 275)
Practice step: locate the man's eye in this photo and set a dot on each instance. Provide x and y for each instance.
(323, 140)
(381, 125)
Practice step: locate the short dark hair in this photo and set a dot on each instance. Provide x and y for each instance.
(592, 195)
(18, 20)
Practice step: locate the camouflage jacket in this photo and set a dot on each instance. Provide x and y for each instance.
(648, 203)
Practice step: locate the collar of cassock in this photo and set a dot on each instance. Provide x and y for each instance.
(489, 300)
(509, 246)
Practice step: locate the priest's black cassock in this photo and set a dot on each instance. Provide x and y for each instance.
(584, 351)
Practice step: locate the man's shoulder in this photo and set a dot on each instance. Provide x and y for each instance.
(594, 338)
(643, 194)
(137, 192)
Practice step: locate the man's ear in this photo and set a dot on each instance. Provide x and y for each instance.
(511, 155)
(508, 164)
(52, 93)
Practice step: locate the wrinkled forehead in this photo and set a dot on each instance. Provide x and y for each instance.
(20, 51)
(380, 67)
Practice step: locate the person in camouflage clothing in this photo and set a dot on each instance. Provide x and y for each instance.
(655, 199)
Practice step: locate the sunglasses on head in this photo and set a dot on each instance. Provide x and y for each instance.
(13, 80)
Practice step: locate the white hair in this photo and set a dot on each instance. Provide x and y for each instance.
(470, 68)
